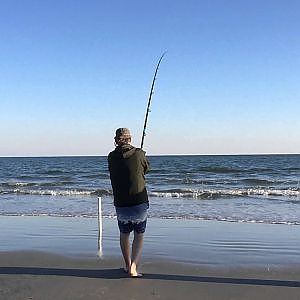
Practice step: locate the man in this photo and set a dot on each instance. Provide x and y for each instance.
(127, 167)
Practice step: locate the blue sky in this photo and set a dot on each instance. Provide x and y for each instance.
(74, 71)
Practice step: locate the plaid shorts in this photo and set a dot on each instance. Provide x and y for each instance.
(132, 218)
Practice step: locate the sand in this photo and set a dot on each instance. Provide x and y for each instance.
(40, 275)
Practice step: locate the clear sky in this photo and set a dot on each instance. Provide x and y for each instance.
(73, 71)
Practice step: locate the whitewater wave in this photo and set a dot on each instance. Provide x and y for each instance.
(73, 192)
(16, 184)
(213, 194)
(170, 193)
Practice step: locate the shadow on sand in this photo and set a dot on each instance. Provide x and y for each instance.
(119, 274)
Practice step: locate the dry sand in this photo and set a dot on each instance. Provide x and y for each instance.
(41, 276)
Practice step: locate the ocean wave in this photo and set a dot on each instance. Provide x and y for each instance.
(213, 194)
(169, 193)
(229, 219)
(73, 192)
(56, 183)
(255, 181)
(53, 172)
(180, 193)
(221, 170)
(273, 192)
(16, 184)
(102, 192)
(201, 181)
(261, 170)
(291, 169)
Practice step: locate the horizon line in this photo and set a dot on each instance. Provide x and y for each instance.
(181, 154)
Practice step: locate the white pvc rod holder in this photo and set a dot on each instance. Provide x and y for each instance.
(100, 228)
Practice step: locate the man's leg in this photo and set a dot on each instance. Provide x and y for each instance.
(125, 247)
(137, 246)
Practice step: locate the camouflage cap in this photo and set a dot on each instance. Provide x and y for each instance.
(123, 133)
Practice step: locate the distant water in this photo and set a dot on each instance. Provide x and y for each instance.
(238, 188)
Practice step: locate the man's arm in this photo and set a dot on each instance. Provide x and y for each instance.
(146, 165)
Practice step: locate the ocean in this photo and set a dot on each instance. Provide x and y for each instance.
(232, 188)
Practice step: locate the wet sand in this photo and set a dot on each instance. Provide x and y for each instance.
(209, 243)
(36, 275)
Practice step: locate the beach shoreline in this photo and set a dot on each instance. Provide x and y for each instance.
(196, 242)
(56, 258)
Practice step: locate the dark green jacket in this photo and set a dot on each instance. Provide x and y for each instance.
(127, 167)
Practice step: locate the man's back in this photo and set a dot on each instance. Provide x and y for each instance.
(127, 166)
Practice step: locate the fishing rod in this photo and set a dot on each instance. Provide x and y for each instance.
(149, 100)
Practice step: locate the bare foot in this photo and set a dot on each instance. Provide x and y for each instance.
(137, 275)
(133, 272)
